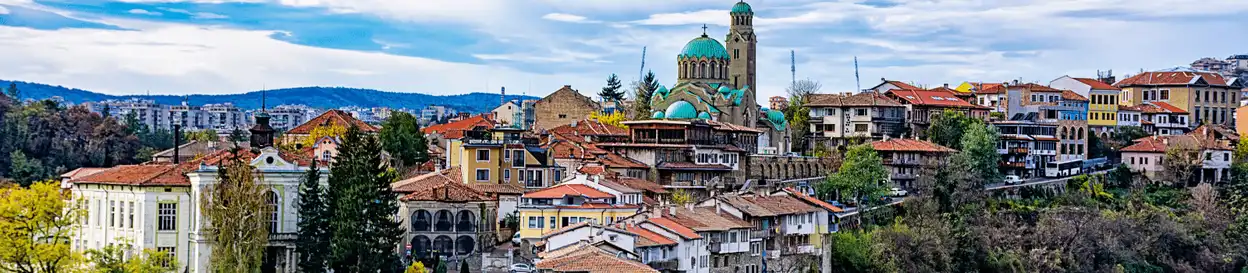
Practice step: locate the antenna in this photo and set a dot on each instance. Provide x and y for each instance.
(857, 80)
(641, 73)
(793, 66)
(264, 90)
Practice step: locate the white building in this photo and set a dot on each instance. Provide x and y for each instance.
(224, 117)
(1147, 155)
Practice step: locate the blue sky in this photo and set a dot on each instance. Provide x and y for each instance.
(449, 47)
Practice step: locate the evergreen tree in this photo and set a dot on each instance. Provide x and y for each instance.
(401, 136)
(859, 177)
(13, 92)
(948, 127)
(641, 99)
(362, 206)
(313, 242)
(612, 92)
(25, 170)
(463, 267)
(441, 268)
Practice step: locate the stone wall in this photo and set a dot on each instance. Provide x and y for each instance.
(562, 107)
(768, 169)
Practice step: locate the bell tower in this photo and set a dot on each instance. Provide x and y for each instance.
(743, 49)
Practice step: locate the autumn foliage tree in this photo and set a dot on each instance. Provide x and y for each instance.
(237, 218)
(36, 226)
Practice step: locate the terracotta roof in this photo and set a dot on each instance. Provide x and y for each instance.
(909, 145)
(1095, 84)
(669, 225)
(591, 169)
(1137, 108)
(769, 205)
(991, 88)
(939, 98)
(859, 99)
(1168, 107)
(646, 238)
(813, 201)
(618, 187)
(588, 127)
(724, 126)
(1033, 87)
(1158, 144)
(442, 186)
(583, 224)
(640, 184)
(1173, 77)
(562, 190)
(163, 174)
(572, 150)
(943, 89)
(706, 219)
(1071, 95)
(692, 166)
(490, 188)
(592, 259)
(80, 172)
(455, 129)
(614, 160)
(898, 84)
(334, 117)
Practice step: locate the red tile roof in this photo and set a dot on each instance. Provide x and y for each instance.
(163, 174)
(769, 205)
(1172, 78)
(645, 237)
(591, 169)
(592, 259)
(498, 189)
(1169, 108)
(692, 166)
(898, 84)
(990, 88)
(443, 186)
(562, 190)
(1097, 85)
(1158, 144)
(589, 128)
(706, 219)
(614, 160)
(81, 172)
(455, 130)
(332, 117)
(813, 201)
(1071, 95)
(909, 145)
(940, 98)
(859, 99)
(669, 225)
(640, 184)
(1033, 87)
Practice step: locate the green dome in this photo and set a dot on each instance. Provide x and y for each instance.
(681, 110)
(704, 47)
(724, 89)
(657, 115)
(704, 115)
(777, 119)
(742, 7)
(661, 90)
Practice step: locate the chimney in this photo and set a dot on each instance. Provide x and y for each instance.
(671, 210)
(177, 141)
(946, 85)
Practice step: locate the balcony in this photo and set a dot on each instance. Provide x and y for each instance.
(901, 162)
(1014, 164)
(715, 247)
(1019, 150)
(669, 264)
(283, 236)
(761, 234)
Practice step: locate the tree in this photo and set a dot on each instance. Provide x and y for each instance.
(13, 93)
(463, 267)
(680, 197)
(237, 217)
(318, 132)
(401, 137)
(237, 135)
(948, 127)
(641, 98)
(1127, 134)
(860, 177)
(852, 252)
(798, 115)
(612, 92)
(614, 119)
(802, 89)
(25, 170)
(1121, 177)
(313, 242)
(1180, 163)
(441, 268)
(364, 231)
(38, 223)
(416, 267)
(112, 259)
(1097, 147)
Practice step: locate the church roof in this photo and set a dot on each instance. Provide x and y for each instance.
(335, 118)
(742, 7)
(777, 119)
(681, 110)
(704, 46)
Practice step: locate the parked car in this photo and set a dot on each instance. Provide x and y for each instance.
(1013, 179)
(520, 268)
(897, 192)
(515, 239)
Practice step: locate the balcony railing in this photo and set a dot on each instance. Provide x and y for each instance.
(1019, 150)
(283, 236)
(715, 247)
(1014, 164)
(664, 264)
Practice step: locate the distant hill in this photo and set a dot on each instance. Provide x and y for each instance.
(319, 97)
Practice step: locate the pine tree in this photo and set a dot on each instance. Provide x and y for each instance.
(313, 242)
(612, 92)
(401, 136)
(362, 206)
(463, 267)
(641, 99)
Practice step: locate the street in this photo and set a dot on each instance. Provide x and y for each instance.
(1034, 181)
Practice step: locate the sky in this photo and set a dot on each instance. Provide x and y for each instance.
(537, 46)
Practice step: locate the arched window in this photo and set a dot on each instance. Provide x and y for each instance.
(1065, 134)
(714, 69)
(420, 220)
(702, 70)
(270, 199)
(420, 246)
(1080, 133)
(442, 221)
(466, 222)
(465, 245)
(443, 245)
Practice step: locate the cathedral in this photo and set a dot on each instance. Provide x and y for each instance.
(717, 83)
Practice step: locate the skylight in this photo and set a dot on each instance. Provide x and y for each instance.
(937, 98)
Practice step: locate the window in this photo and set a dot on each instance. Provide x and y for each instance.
(563, 116)
(860, 112)
(483, 175)
(1208, 156)
(1226, 157)
(552, 221)
(168, 261)
(483, 155)
(860, 127)
(325, 156)
(130, 216)
(1165, 94)
(270, 199)
(506, 175)
(518, 158)
(167, 215)
(112, 213)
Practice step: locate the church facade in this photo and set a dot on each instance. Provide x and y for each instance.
(717, 83)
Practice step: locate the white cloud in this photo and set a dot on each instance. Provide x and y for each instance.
(570, 18)
(710, 17)
(181, 59)
(4, 10)
(144, 12)
(208, 15)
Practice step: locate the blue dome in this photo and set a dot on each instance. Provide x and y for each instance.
(777, 119)
(724, 89)
(661, 90)
(742, 7)
(681, 110)
(657, 115)
(704, 115)
(704, 47)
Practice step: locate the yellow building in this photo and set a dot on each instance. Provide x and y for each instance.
(500, 156)
(1103, 99)
(567, 204)
(1209, 98)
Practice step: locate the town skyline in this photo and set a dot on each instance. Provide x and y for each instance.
(453, 49)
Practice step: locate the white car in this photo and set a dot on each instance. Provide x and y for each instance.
(520, 268)
(897, 192)
(515, 239)
(1013, 179)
